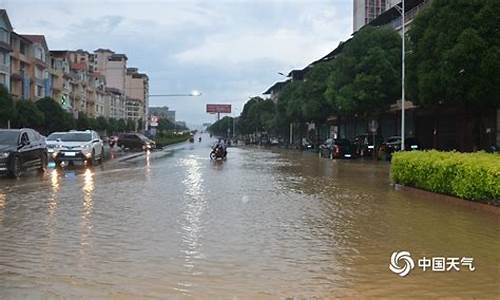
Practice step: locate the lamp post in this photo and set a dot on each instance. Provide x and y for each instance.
(402, 11)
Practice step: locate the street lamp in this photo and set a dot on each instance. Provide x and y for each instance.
(402, 11)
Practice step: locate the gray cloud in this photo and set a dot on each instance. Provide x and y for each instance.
(230, 50)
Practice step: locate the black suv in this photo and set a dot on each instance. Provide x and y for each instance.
(22, 150)
(135, 141)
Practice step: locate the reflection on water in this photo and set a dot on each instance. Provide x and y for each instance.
(3, 199)
(148, 164)
(194, 206)
(262, 224)
(87, 206)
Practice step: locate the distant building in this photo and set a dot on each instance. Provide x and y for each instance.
(364, 11)
(163, 112)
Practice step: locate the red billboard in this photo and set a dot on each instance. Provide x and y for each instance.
(219, 108)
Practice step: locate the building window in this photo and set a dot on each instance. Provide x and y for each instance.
(3, 79)
(3, 58)
(4, 36)
(23, 49)
(39, 54)
(39, 91)
(38, 73)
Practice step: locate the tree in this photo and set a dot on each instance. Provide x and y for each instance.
(56, 119)
(164, 125)
(82, 123)
(101, 123)
(455, 55)
(7, 107)
(28, 115)
(121, 125)
(130, 125)
(366, 76)
(316, 108)
(222, 126)
(257, 115)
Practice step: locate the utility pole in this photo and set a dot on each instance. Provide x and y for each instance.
(403, 78)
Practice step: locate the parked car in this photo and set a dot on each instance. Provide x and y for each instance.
(22, 150)
(53, 142)
(336, 148)
(135, 141)
(365, 145)
(393, 144)
(81, 146)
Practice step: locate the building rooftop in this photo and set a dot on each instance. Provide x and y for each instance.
(276, 87)
(104, 50)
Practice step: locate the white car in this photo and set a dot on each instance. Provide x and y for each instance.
(53, 142)
(84, 146)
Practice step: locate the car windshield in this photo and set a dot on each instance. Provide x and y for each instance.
(76, 137)
(55, 136)
(9, 137)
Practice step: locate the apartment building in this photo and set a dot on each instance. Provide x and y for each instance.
(5, 48)
(61, 78)
(40, 84)
(137, 91)
(95, 83)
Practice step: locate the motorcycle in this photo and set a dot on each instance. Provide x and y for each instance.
(218, 152)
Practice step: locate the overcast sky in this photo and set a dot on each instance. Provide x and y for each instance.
(229, 50)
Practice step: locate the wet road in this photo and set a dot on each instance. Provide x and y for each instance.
(264, 224)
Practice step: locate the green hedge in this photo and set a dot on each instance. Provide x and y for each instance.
(163, 140)
(473, 176)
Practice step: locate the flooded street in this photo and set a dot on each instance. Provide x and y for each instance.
(264, 224)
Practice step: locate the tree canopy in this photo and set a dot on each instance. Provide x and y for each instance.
(365, 78)
(7, 107)
(455, 55)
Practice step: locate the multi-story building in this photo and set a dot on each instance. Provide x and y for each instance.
(38, 72)
(62, 78)
(5, 49)
(20, 66)
(117, 105)
(364, 11)
(113, 66)
(97, 84)
(137, 91)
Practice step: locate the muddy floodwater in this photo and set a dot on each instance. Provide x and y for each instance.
(264, 224)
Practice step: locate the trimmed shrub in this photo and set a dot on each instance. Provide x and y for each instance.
(473, 176)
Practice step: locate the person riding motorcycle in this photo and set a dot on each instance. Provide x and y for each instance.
(220, 146)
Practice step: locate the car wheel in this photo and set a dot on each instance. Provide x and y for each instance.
(15, 170)
(101, 157)
(43, 163)
(92, 159)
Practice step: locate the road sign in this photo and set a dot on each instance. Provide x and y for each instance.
(219, 108)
